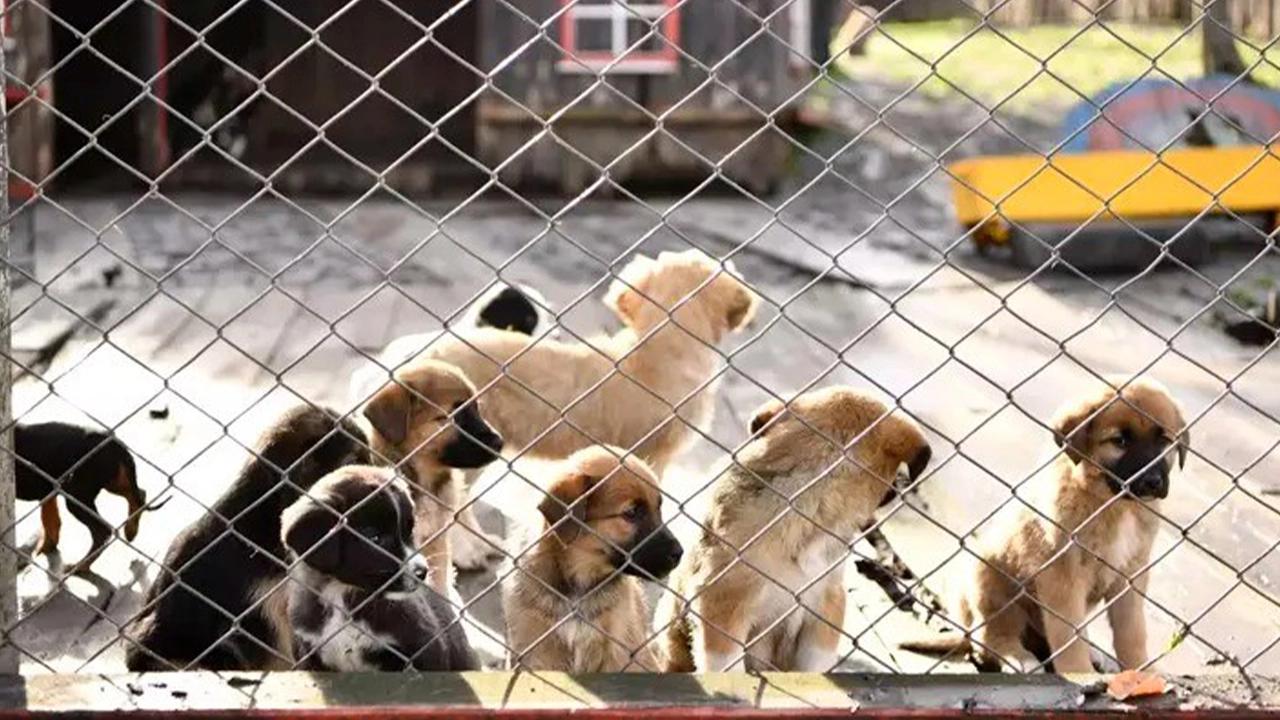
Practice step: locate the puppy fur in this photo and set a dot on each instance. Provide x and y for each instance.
(357, 596)
(726, 614)
(659, 365)
(1032, 583)
(600, 531)
(241, 572)
(426, 421)
(80, 463)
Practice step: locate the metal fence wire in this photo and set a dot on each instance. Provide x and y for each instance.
(265, 236)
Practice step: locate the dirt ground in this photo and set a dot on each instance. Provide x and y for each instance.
(228, 309)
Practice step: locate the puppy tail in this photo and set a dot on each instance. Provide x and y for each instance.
(951, 645)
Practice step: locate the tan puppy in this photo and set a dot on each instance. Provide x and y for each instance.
(573, 600)
(643, 372)
(1033, 581)
(641, 388)
(731, 613)
(427, 423)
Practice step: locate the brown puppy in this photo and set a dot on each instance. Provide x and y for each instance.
(427, 423)
(573, 600)
(1036, 577)
(642, 388)
(789, 507)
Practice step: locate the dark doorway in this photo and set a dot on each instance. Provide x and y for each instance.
(92, 88)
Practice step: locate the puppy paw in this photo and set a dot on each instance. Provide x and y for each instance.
(1023, 663)
(472, 553)
(1103, 663)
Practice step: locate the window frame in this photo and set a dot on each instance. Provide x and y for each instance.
(620, 13)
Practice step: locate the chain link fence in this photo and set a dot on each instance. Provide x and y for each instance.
(944, 346)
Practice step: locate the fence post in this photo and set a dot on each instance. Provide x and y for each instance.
(8, 559)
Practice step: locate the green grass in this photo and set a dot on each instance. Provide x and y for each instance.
(990, 67)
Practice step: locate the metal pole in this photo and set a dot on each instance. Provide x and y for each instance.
(8, 559)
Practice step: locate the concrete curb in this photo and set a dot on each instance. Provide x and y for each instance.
(656, 696)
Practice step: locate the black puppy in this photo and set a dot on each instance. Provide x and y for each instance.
(80, 463)
(218, 602)
(358, 598)
(508, 307)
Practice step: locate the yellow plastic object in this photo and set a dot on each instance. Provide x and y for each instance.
(1133, 184)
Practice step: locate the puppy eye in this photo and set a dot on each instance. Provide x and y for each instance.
(634, 513)
(1121, 441)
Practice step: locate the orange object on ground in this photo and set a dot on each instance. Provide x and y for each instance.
(1133, 683)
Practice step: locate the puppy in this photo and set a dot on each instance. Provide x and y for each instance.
(600, 532)
(81, 463)
(789, 508)
(1036, 578)
(228, 566)
(519, 309)
(620, 389)
(426, 421)
(358, 598)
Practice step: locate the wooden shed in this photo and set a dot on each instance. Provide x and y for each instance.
(686, 88)
(440, 95)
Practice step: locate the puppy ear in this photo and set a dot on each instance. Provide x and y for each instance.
(306, 525)
(1071, 428)
(742, 307)
(388, 412)
(764, 414)
(561, 507)
(623, 297)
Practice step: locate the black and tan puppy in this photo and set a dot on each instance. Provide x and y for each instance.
(81, 463)
(228, 567)
(1088, 540)
(601, 531)
(427, 422)
(781, 522)
(358, 598)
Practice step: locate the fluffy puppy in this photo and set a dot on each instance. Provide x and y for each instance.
(790, 506)
(619, 389)
(1036, 576)
(57, 458)
(427, 422)
(358, 598)
(600, 532)
(228, 566)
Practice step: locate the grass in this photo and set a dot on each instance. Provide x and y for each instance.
(991, 65)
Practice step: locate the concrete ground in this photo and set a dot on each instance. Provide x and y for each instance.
(224, 329)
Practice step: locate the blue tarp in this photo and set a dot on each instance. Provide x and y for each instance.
(1155, 113)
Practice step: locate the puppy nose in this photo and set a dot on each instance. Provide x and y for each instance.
(495, 441)
(677, 552)
(419, 568)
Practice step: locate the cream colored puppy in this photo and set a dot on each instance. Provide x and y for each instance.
(790, 506)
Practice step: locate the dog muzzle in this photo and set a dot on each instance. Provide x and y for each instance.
(655, 557)
(477, 444)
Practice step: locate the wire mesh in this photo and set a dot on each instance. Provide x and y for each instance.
(249, 206)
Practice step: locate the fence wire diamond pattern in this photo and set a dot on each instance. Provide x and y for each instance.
(238, 213)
